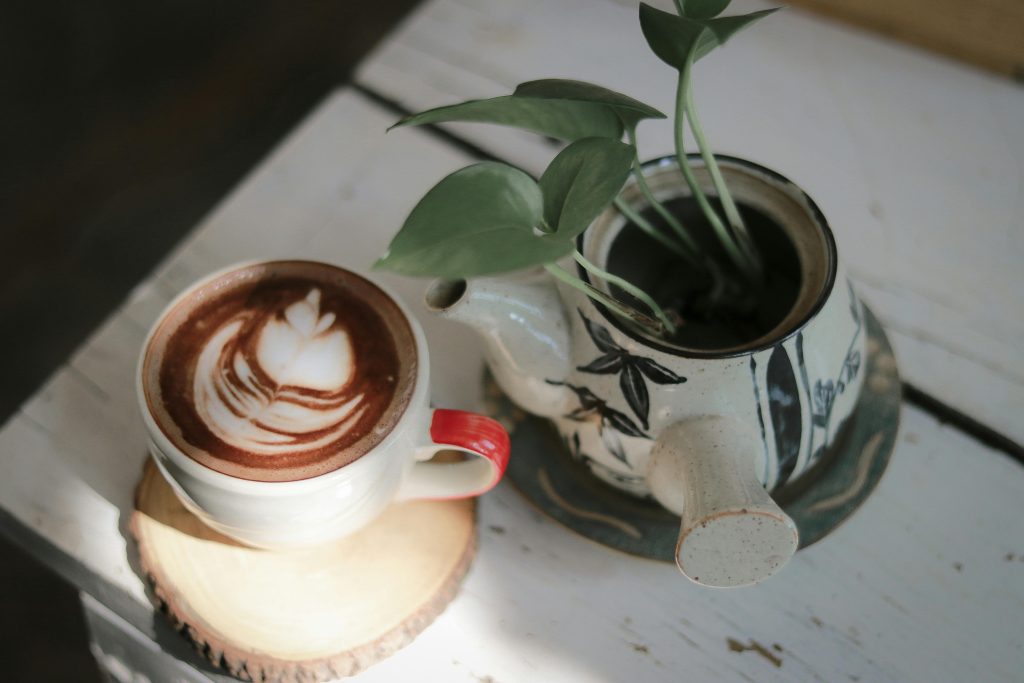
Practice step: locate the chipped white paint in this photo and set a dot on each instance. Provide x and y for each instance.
(924, 583)
(917, 162)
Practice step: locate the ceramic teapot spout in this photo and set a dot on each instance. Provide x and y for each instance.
(525, 333)
(732, 532)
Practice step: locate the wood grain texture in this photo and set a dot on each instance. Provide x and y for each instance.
(925, 582)
(917, 163)
(314, 614)
(986, 33)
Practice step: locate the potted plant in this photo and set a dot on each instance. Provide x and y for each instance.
(671, 317)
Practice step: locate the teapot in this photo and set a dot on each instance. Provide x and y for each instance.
(706, 431)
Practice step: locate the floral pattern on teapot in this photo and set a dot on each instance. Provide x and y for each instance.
(788, 392)
(633, 372)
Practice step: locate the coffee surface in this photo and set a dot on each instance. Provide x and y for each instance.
(280, 371)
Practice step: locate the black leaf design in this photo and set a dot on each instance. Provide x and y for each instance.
(784, 410)
(854, 308)
(602, 339)
(614, 445)
(658, 374)
(588, 400)
(581, 414)
(852, 365)
(607, 364)
(635, 390)
(824, 392)
(622, 423)
(611, 423)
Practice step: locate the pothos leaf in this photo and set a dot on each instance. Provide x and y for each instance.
(680, 41)
(581, 181)
(704, 9)
(629, 111)
(562, 119)
(477, 221)
(723, 28)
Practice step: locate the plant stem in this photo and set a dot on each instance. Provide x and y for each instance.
(731, 247)
(659, 208)
(731, 211)
(642, 223)
(648, 323)
(629, 288)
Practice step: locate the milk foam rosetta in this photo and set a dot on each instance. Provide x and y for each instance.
(282, 375)
(287, 390)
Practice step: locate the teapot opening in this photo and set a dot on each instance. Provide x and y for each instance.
(444, 294)
(714, 317)
(732, 318)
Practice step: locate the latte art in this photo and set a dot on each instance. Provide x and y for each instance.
(290, 392)
(282, 371)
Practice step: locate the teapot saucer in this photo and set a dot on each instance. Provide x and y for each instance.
(543, 470)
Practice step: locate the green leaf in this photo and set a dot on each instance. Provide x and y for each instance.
(581, 181)
(724, 28)
(629, 111)
(673, 39)
(679, 41)
(562, 119)
(704, 9)
(477, 221)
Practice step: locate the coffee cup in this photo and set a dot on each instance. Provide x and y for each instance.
(287, 404)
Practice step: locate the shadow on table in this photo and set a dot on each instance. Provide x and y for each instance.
(124, 125)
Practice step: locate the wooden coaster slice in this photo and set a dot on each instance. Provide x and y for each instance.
(313, 614)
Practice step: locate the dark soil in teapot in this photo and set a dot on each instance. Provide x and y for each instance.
(712, 318)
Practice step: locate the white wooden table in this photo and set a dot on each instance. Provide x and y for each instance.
(918, 164)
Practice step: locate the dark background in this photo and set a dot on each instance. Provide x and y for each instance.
(121, 124)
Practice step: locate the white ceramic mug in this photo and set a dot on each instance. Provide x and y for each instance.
(286, 514)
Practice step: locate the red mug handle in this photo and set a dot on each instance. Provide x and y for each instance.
(475, 434)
